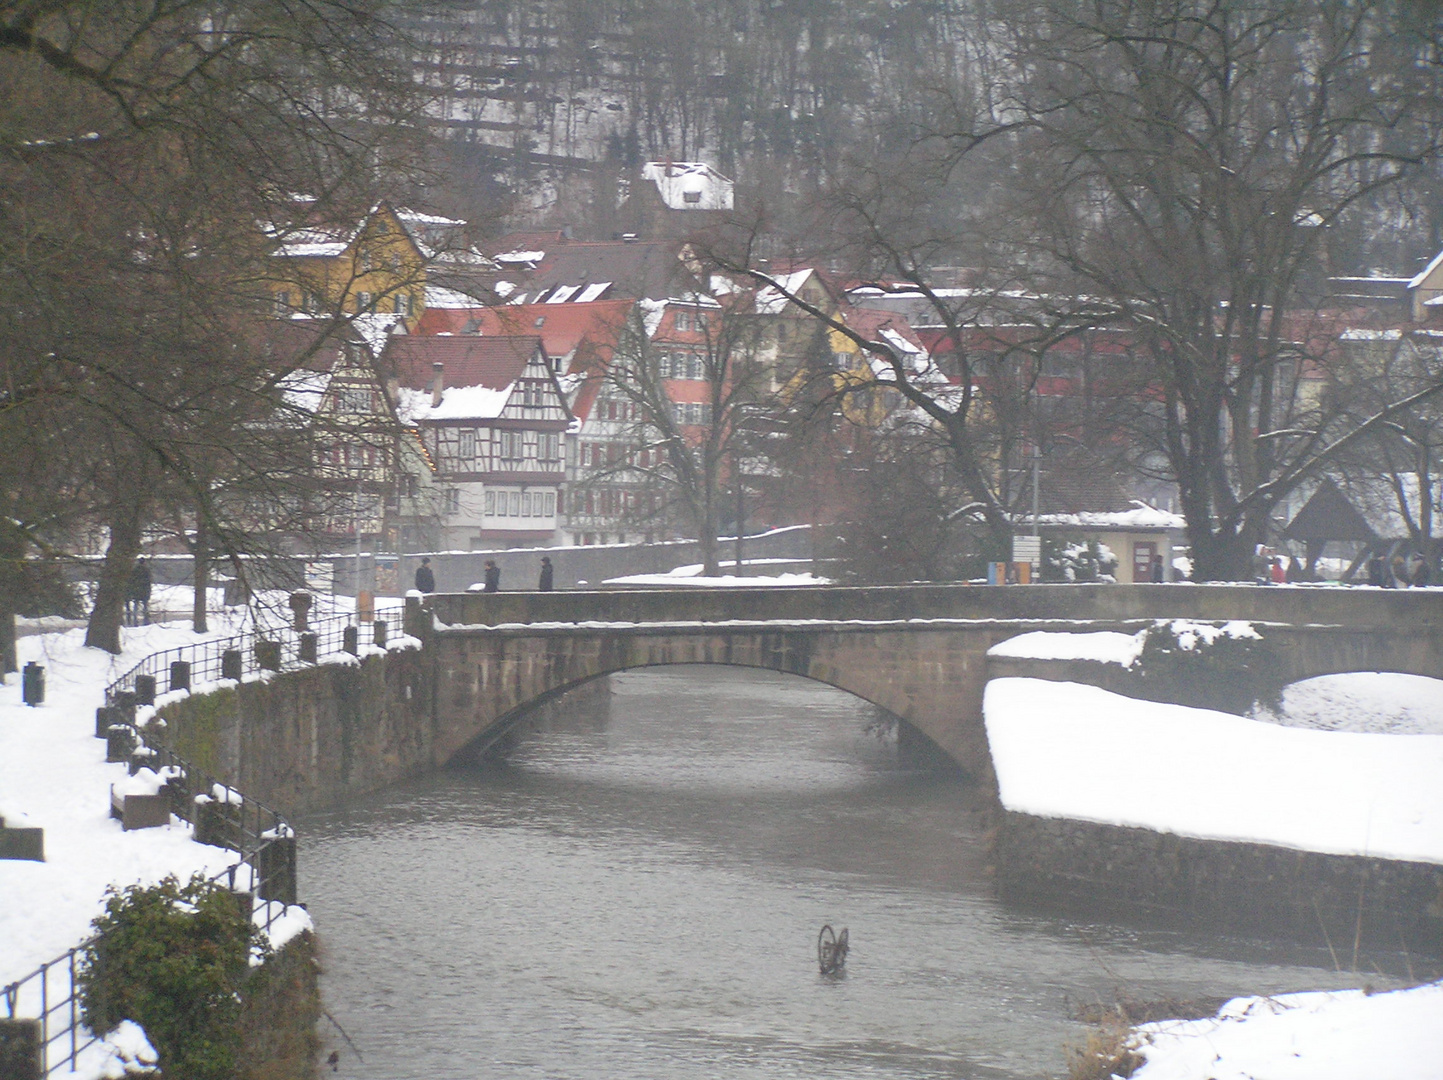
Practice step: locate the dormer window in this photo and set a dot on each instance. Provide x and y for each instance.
(691, 196)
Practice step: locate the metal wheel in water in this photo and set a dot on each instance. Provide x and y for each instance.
(831, 950)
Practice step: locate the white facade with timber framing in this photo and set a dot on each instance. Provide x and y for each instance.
(491, 415)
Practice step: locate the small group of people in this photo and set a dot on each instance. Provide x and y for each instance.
(491, 578)
(1398, 572)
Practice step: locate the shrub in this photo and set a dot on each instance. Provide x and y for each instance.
(1107, 1052)
(1065, 559)
(1228, 667)
(172, 958)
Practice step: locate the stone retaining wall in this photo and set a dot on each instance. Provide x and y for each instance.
(314, 737)
(1224, 886)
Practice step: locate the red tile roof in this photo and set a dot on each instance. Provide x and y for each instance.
(468, 360)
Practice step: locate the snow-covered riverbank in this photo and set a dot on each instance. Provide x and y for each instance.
(1350, 764)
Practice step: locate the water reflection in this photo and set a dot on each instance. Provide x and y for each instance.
(636, 889)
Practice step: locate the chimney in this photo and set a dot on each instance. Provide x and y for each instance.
(438, 383)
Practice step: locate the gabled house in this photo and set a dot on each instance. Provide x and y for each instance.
(372, 478)
(490, 413)
(381, 263)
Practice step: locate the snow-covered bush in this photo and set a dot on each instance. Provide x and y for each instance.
(172, 958)
(1065, 559)
(1224, 666)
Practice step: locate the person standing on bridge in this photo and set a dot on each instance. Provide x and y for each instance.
(547, 575)
(425, 579)
(492, 577)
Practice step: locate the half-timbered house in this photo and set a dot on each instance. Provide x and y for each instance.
(492, 417)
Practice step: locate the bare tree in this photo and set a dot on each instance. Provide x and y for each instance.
(141, 146)
(1182, 162)
(681, 448)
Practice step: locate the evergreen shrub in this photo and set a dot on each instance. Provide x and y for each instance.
(1228, 667)
(173, 958)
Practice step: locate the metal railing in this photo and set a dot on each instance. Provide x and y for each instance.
(243, 655)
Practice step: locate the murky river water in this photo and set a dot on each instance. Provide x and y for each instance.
(640, 897)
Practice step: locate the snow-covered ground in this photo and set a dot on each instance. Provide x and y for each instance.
(53, 774)
(1351, 764)
(1328, 1035)
(1377, 701)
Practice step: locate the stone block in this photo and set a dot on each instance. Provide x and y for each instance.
(120, 742)
(21, 842)
(140, 811)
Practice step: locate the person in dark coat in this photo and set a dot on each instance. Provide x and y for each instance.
(546, 574)
(137, 594)
(425, 579)
(1420, 575)
(1157, 572)
(492, 577)
(1375, 569)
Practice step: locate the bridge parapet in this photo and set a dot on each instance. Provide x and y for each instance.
(1420, 609)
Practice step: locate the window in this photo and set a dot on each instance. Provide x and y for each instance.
(453, 500)
(683, 320)
(516, 504)
(696, 368)
(467, 448)
(526, 504)
(550, 510)
(401, 304)
(363, 301)
(691, 196)
(490, 503)
(509, 445)
(283, 303)
(354, 399)
(368, 262)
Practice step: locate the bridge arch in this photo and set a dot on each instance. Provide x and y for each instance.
(931, 682)
(485, 742)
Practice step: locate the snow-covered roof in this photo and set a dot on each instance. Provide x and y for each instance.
(1422, 276)
(771, 300)
(438, 296)
(457, 403)
(1141, 516)
(375, 327)
(689, 185)
(303, 389)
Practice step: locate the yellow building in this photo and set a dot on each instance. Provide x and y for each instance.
(377, 265)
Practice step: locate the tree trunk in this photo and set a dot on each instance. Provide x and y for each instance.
(9, 661)
(10, 568)
(1221, 556)
(200, 576)
(103, 631)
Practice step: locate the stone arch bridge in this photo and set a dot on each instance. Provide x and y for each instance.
(919, 652)
(319, 735)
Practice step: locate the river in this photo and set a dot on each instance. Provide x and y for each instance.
(635, 891)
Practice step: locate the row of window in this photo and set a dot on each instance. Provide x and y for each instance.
(611, 502)
(681, 365)
(612, 409)
(601, 454)
(312, 303)
(690, 412)
(522, 504)
(507, 445)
